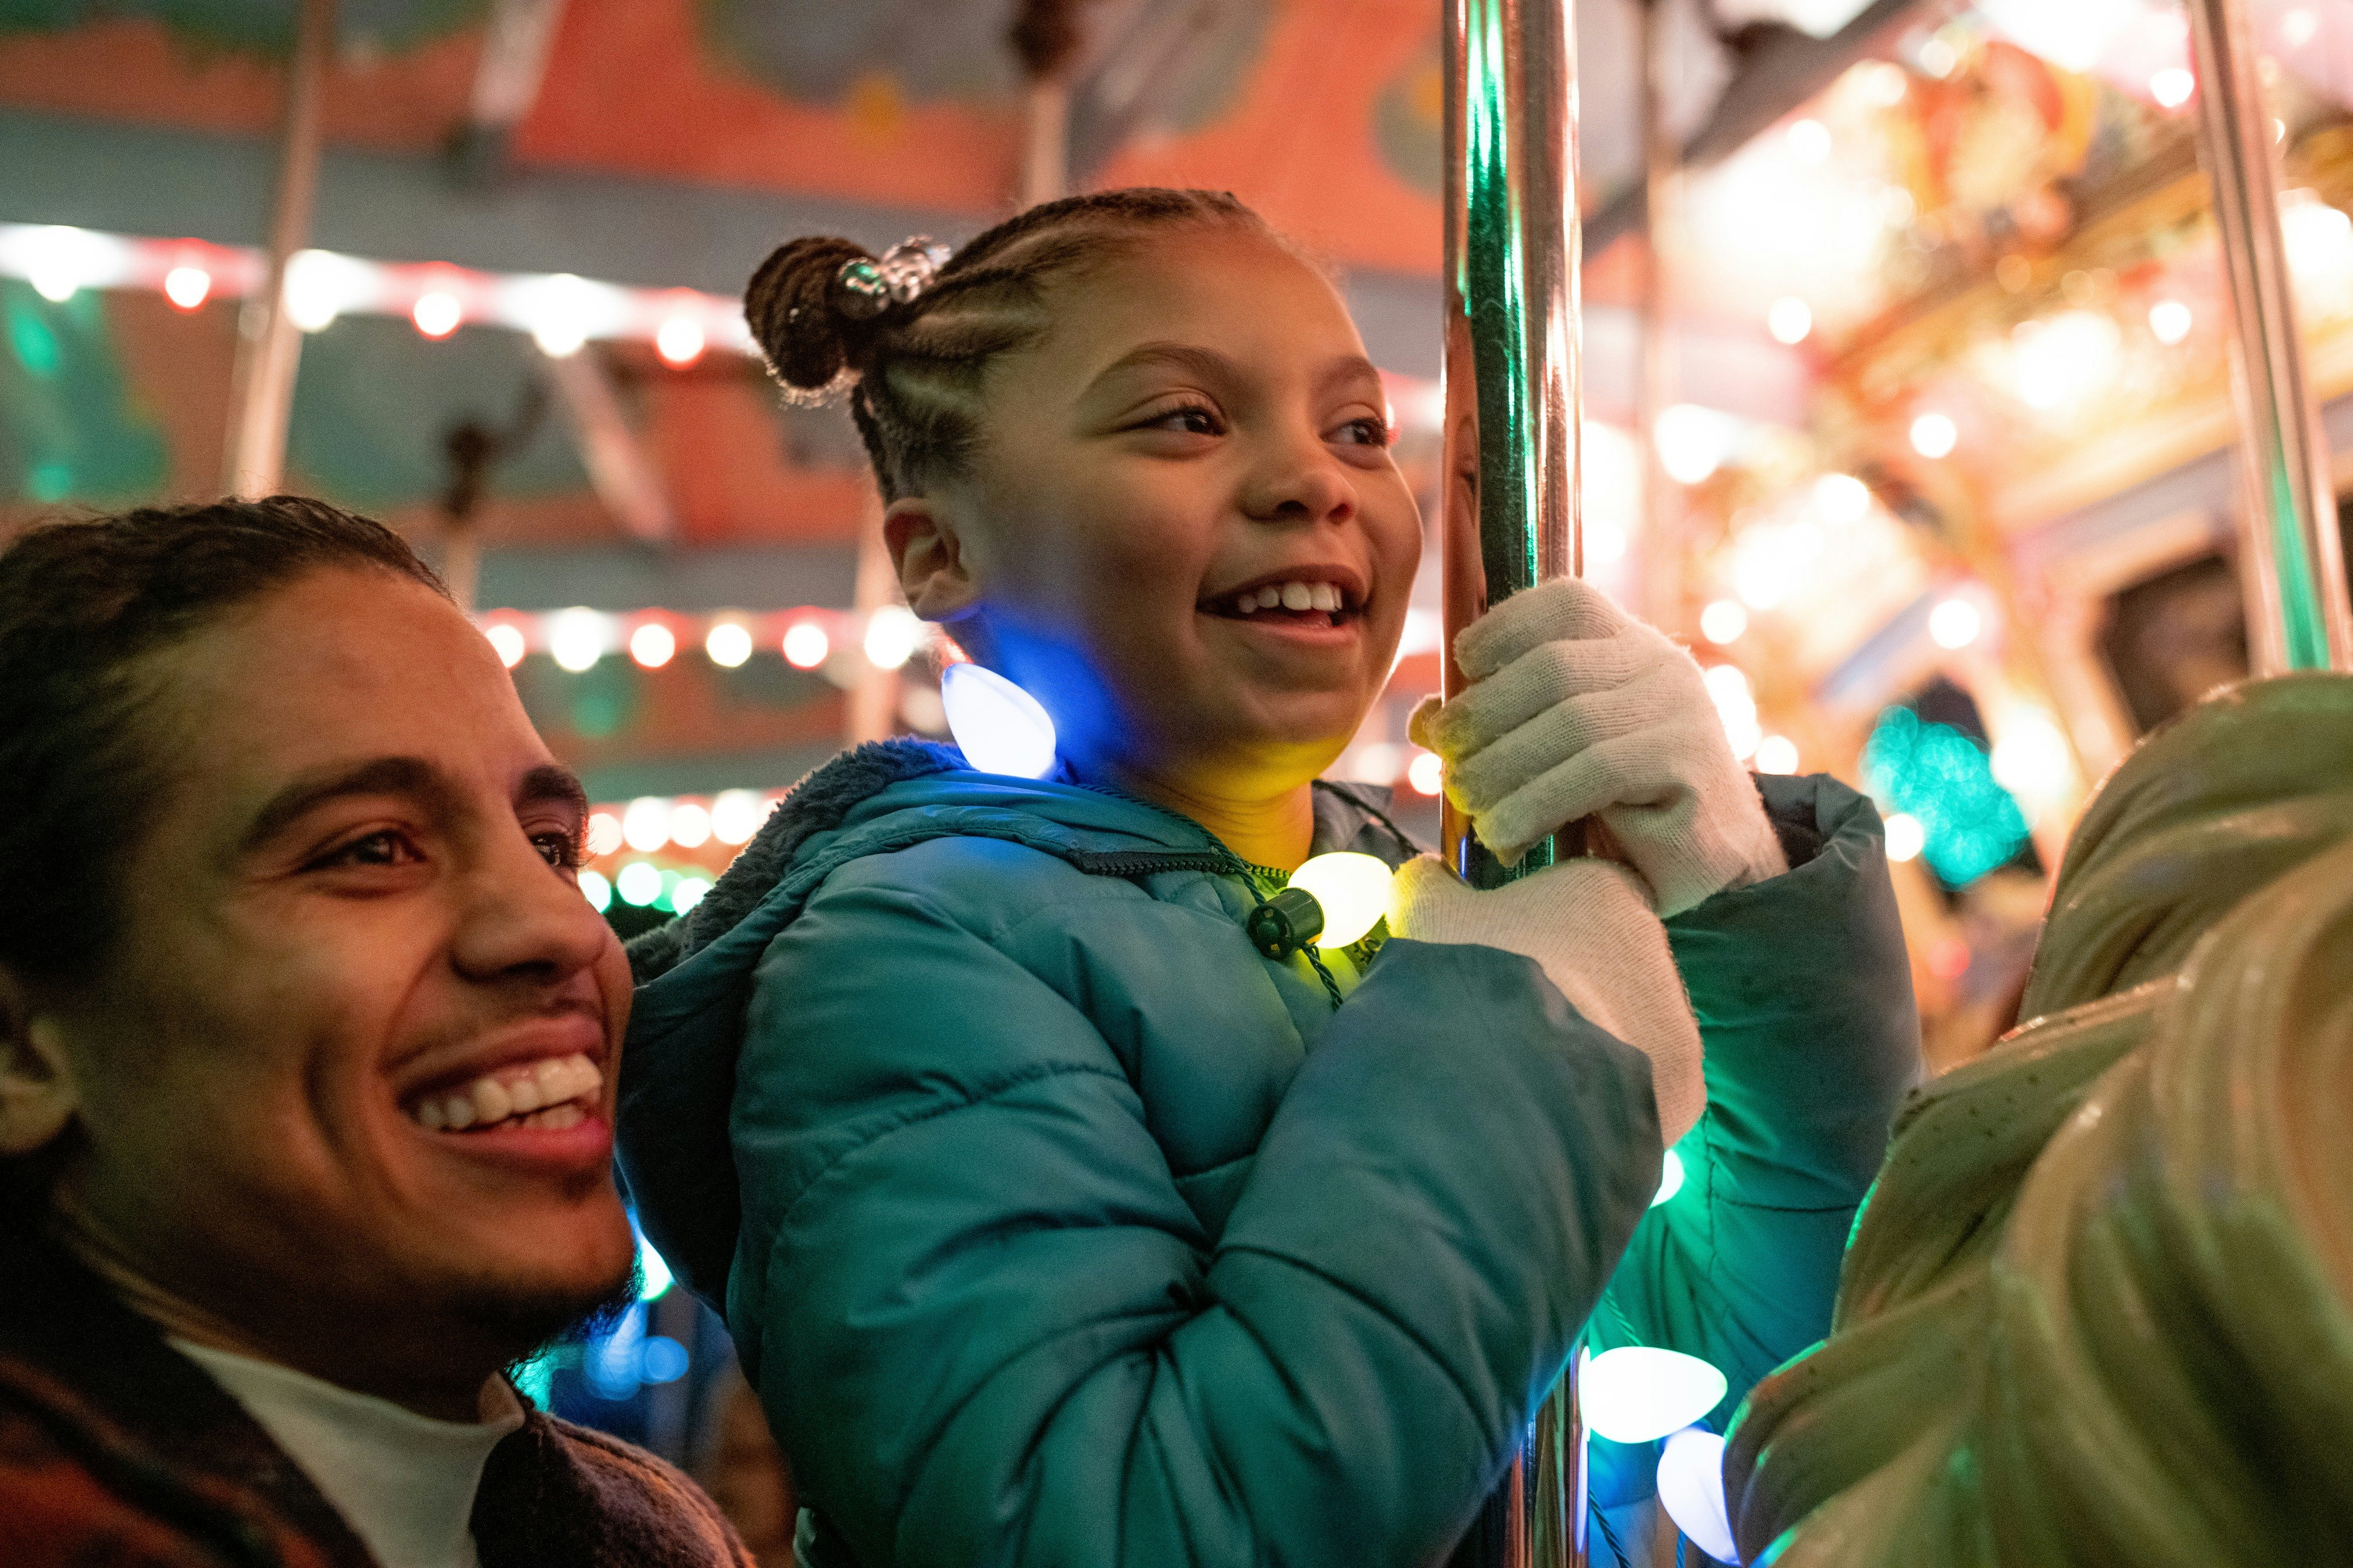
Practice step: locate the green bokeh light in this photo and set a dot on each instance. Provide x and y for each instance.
(1942, 777)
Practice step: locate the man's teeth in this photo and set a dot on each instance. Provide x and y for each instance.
(556, 1093)
(1298, 596)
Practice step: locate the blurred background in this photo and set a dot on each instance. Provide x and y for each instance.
(1907, 391)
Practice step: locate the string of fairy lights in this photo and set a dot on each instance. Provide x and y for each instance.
(562, 313)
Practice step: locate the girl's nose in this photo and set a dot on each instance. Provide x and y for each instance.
(1300, 482)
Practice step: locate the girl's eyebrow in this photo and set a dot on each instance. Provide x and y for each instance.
(1210, 366)
(1168, 355)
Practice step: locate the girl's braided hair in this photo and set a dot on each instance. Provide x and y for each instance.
(913, 371)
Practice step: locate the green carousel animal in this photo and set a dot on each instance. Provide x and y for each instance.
(2098, 1309)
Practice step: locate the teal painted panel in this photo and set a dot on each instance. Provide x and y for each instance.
(374, 401)
(67, 429)
(256, 26)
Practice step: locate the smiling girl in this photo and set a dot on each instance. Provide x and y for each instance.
(1055, 1222)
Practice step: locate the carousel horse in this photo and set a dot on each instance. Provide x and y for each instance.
(2099, 1306)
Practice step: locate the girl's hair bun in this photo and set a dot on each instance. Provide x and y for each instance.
(795, 311)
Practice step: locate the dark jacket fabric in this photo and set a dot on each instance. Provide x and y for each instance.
(1055, 1224)
(116, 1449)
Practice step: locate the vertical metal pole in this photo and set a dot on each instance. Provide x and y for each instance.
(269, 343)
(2292, 551)
(1510, 517)
(1662, 542)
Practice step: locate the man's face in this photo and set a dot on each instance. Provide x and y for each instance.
(1200, 427)
(354, 904)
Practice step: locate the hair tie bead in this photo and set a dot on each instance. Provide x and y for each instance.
(865, 288)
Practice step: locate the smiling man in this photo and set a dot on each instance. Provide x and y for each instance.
(307, 1042)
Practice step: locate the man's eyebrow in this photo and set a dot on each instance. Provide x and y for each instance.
(550, 781)
(411, 776)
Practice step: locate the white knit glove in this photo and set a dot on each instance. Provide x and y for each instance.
(1590, 929)
(1578, 710)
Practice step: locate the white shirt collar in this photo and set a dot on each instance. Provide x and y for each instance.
(403, 1482)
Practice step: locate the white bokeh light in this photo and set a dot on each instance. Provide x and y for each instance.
(645, 823)
(728, 644)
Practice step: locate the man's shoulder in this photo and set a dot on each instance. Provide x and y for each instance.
(77, 1485)
(555, 1491)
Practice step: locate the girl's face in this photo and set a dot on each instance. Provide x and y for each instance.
(1183, 531)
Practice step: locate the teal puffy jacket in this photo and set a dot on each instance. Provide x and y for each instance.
(1056, 1226)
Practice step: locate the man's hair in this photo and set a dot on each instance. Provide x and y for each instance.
(915, 371)
(83, 604)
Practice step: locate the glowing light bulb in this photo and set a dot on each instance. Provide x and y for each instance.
(2169, 321)
(689, 892)
(2172, 87)
(1723, 622)
(1934, 435)
(807, 645)
(652, 644)
(1637, 1394)
(576, 639)
(1790, 321)
(680, 340)
(892, 634)
(1691, 1489)
(604, 833)
(1777, 754)
(2299, 27)
(63, 260)
(1671, 1178)
(998, 727)
(1905, 836)
(1425, 775)
(645, 824)
(690, 825)
(506, 640)
(597, 891)
(1841, 499)
(1955, 623)
(437, 312)
(654, 1277)
(1694, 441)
(1810, 141)
(187, 286)
(736, 816)
(322, 285)
(728, 646)
(1354, 891)
(639, 884)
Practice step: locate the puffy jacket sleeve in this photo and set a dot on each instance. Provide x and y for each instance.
(988, 1329)
(1804, 1000)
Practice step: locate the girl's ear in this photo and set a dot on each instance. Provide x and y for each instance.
(928, 551)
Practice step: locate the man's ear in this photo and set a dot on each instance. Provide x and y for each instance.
(37, 1098)
(928, 551)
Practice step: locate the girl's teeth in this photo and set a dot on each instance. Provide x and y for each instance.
(1298, 596)
(1269, 596)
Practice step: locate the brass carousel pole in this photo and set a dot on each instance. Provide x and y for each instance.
(2294, 556)
(262, 400)
(1510, 515)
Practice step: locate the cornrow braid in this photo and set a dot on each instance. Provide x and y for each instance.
(913, 371)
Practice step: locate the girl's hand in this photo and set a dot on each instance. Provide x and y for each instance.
(1590, 928)
(1578, 710)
